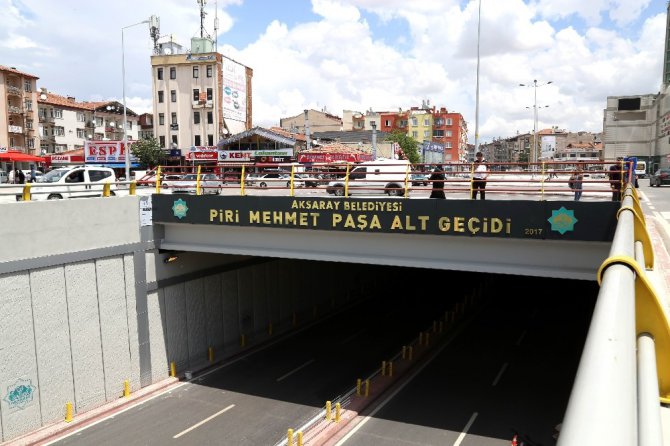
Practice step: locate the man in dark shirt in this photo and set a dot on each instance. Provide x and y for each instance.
(615, 178)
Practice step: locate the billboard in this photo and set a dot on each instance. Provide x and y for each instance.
(548, 147)
(234, 91)
(106, 152)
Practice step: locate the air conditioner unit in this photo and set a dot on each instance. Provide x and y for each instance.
(112, 124)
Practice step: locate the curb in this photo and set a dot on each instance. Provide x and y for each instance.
(53, 432)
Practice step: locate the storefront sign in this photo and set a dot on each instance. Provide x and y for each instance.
(105, 152)
(332, 157)
(67, 159)
(236, 155)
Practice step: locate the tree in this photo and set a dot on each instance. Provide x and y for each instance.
(148, 152)
(409, 145)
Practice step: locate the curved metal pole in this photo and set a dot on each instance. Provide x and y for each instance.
(479, 31)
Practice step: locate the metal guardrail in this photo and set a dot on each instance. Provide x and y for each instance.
(615, 399)
(27, 191)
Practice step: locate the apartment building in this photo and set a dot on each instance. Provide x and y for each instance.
(319, 121)
(393, 121)
(18, 91)
(199, 97)
(65, 124)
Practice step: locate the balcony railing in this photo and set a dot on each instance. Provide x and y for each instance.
(13, 109)
(15, 129)
(12, 90)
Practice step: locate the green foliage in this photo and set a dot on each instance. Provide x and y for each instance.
(523, 156)
(148, 152)
(409, 145)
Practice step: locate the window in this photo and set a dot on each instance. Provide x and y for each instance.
(161, 97)
(98, 122)
(196, 117)
(28, 105)
(173, 95)
(210, 117)
(173, 73)
(439, 122)
(59, 131)
(402, 123)
(196, 94)
(161, 119)
(210, 140)
(209, 94)
(438, 133)
(98, 175)
(449, 134)
(387, 123)
(197, 140)
(81, 117)
(161, 141)
(426, 134)
(58, 113)
(415, 122)
(426, 122)
(159, 74)
(130, 125)
(27, 86)
(196, 72)
(174, 139)
(31, 142)
(209, 71)
(80, 133)
(449, 122)
(447, 145)
(415, 134)
(173, 118)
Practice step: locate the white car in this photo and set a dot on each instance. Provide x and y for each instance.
(273, 179)
(72, 182)
(209, 184)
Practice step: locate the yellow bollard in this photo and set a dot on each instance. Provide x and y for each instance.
(158, 180)
(132, 190)
(270, 329)
(338, 410)
(68, 412)
(299, 435)
(210, 354)
(126, 389)
(289, 438)
(173, 369)
(26, 191)
(358, 387)
(367, 388)
(390, 368)
(383, 368)
(243, 341)
(328, 409)
(106, 189)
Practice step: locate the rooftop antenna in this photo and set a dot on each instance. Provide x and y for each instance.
(202, 4)
(155, 32)
(216, 26)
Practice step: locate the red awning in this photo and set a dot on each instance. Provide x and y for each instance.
(20, 157)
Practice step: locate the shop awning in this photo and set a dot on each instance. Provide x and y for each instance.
(20, 157)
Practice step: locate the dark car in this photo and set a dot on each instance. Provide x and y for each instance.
(419, 179)
(660, 177)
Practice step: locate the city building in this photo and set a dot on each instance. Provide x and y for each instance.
(319, 121)
(199, 97)
(146, 123)
(18, 92)
(65, 124)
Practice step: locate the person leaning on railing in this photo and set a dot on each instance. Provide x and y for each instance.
(615, 179)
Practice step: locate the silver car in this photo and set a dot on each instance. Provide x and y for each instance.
(209, 184)
(273, 179)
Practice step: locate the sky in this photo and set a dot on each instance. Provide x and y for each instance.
(383, 55)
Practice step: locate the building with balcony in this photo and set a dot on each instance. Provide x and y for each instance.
(146, 123)
(18, 111)
(65, 124)
(199, 97)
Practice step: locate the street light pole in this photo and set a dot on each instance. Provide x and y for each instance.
(479, 21)
(533, 153)
(125, 118)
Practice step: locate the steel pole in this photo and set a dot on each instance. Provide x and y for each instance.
(479, 28)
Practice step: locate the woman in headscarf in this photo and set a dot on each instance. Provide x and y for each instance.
(437, 178)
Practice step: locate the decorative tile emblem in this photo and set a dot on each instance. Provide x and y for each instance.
(179, 209)
(20, 394)
(562, 220)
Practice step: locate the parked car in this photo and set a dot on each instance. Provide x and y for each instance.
(38, 175)
(187, 184)
(72, 182)
(660, 177)
(373, 177)
(309, 180)
(273, 179)
(419, 179)
(4, 178)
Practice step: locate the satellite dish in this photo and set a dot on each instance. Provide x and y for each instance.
(43, 96)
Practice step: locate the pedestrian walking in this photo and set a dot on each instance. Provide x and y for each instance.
(437, 178)
(20, 176)
(479, 177)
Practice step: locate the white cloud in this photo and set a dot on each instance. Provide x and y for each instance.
(338, 61)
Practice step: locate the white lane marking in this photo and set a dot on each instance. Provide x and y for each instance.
(518, 341)
(197, 425)
(500, 373)
(467, 427)
(295, 370)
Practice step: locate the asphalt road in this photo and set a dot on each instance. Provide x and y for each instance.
(510, 371)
